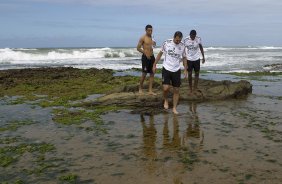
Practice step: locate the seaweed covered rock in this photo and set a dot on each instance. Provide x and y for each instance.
(208, 90)
(63, 85)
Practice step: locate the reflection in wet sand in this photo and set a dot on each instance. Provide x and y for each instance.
(149, 141)
(193, 128)
(175, 141)
(179, 148)
(219, 142)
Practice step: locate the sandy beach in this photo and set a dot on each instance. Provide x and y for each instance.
(229, 141)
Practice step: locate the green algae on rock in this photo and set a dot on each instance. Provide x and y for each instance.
(60, 85)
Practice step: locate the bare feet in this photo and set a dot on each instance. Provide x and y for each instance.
(165, 104)
(174, 111)
(193, 110)
(152, 93)
(197, 91)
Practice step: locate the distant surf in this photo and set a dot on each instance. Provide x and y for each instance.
(223, 59)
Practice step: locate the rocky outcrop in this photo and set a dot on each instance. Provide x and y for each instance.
(65, 84)
(208, 90)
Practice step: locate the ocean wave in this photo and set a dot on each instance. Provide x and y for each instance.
(273, 67)
(8, 54)
(126, 58)
(268, 47)
(236, 71)
(23, 49)
(5, 62)
(244, 48)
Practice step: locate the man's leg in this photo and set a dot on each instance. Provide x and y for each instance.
(151, 81)
(165, 95)
(143, 77)
(190, 71)
(196, 80)
(175, 99)
(197, 73)
(176, 82)
(190, 81)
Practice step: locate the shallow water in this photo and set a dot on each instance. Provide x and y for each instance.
(218, 142)
(233, 141)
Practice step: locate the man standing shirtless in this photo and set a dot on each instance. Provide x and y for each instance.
(145, 46)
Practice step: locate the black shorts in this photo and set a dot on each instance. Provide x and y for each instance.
(194, 65)
(147, 64)
(171, 78)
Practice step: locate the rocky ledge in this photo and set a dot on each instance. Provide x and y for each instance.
(209, 90)
(63, 85)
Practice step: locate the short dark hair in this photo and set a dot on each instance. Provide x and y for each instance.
(193, 32)
(148, 26)
(178, 33)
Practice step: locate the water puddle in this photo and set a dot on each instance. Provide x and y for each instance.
(236, 141)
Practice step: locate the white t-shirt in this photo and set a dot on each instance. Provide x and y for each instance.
(193, 51)
(173, 55)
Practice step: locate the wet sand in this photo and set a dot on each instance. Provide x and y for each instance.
(234, 141)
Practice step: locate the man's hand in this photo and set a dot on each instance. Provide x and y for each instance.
(154, 44)
(203, 60)
(154, 68)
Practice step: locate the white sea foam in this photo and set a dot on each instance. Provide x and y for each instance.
(243, 48)
(217, 58)
(64, 54)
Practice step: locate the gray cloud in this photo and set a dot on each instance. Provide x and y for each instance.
(218, 21)
(200, 5)
(188, 7)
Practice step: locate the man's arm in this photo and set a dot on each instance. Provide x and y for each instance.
(185, 62)
(140, 43)
(158, 58)
(202, 51)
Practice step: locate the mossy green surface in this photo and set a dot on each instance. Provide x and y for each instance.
(9, 140)
(59, 85)
(78, 117)
(257, 74)
(69, 178)
(14, 125)
(68, 117)
(9, 154)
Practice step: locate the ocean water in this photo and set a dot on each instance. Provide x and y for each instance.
(219, 59)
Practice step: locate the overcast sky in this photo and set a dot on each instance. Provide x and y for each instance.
(120, 23)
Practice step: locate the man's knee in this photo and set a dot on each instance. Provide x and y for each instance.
(165, 88)
(144, 74)
(175, 90)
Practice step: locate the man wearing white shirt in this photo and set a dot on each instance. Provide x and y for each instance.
(174, 51)
(194, 49)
